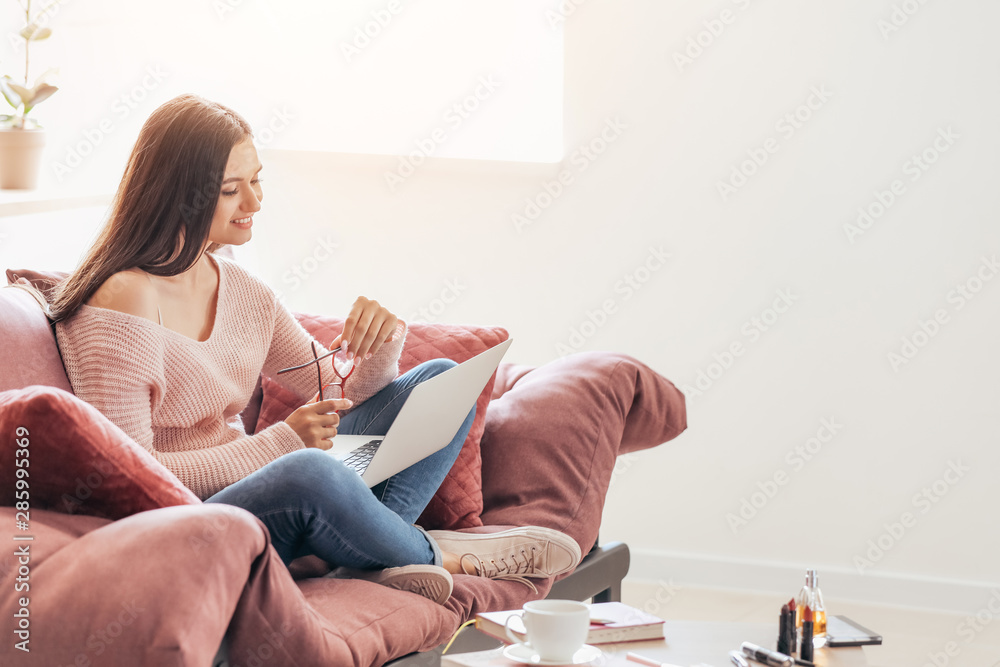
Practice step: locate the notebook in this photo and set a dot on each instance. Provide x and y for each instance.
(610, 623)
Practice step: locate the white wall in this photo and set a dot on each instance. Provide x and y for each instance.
(825, 359)
(898, 430)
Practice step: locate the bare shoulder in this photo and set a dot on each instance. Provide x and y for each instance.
(128, 291)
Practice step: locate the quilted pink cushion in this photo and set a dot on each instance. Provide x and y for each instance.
(554, 433)
(79, 462)
(459, 501)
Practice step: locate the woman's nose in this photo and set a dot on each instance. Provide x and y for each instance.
(252, 201)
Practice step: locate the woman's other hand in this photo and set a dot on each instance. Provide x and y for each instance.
(368, 326)
(316, 423)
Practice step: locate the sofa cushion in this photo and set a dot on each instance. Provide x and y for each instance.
(156, 588)
(55, 375)
(459, 501)
(373, 622)
(164, 587)
(553, 434)
(44, 281)
(29, 347)
(79, 462)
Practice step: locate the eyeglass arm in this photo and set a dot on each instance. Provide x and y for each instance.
(309, 363)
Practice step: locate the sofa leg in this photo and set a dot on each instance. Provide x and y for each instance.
(612, 593)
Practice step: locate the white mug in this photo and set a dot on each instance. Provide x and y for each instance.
(555, 629)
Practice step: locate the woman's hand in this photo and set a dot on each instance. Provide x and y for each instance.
(367, 327)
(316, 423)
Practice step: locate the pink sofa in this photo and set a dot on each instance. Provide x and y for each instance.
(127, 567)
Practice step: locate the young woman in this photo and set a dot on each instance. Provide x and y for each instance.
(167, 339)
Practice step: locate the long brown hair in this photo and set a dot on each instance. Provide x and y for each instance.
(162, 212)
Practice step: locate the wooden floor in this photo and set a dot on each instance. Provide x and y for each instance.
(911, 637)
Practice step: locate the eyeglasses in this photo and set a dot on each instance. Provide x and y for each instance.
(342, 368)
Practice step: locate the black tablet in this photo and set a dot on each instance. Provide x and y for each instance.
(842, 631)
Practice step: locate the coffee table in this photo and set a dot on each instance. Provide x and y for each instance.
(697, 642)
(687, 643)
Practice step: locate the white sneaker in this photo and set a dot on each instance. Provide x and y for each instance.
(432, 582)
(528, 551)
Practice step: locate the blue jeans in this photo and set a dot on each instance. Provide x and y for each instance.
(313, 504)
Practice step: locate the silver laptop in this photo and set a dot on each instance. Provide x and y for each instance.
(427, 422)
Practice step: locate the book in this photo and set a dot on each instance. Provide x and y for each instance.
(611, 622)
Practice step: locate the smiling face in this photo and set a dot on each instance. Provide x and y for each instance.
(239, 197)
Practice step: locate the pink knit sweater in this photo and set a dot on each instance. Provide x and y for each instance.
(181, 399)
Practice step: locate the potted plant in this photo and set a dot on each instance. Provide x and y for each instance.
(22, 138)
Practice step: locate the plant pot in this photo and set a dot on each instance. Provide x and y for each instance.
(20, 158)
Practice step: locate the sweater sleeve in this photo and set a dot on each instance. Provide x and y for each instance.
(290, 347)
(119, 368)
(208, 470)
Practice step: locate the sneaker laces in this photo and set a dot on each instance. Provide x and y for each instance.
(503, 571)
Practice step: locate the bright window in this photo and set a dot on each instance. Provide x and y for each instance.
(477, 79)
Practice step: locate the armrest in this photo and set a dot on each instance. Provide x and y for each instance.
(97, 602)
(552, 438)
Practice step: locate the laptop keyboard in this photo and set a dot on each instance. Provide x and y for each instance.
(359, 458)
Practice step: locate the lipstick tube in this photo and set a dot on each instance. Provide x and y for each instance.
(783, 635)
(793, 630)
(806, 650)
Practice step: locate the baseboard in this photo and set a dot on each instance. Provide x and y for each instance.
(883, 588)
